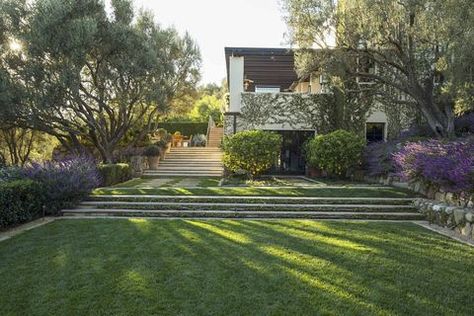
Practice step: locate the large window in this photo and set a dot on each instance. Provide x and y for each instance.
(375, 132)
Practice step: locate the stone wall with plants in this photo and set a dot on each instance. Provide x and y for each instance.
(310, 111)
(321, 112)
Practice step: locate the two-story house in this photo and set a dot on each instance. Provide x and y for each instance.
(266, 93)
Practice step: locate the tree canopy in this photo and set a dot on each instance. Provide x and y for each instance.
(88, 76)
(417, 52)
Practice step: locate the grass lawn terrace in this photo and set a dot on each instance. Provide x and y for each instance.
(226, 267)
(340, 191)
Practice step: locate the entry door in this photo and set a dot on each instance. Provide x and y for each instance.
(292, 159)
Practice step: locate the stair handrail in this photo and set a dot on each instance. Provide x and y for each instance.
(210, 124)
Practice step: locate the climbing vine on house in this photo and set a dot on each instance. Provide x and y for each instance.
(322, 112)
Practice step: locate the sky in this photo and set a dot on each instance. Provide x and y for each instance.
(215, 24)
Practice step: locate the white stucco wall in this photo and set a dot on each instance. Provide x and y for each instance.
(236, 82)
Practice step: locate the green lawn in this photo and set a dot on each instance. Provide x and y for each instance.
(342, 191)
(141, 267)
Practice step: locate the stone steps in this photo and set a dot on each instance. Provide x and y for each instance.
(216, 134)
(190, 167)
(152, 174)
(204, 206)
(244, 214)
(252, 199)
(189, 162)
(269, 207)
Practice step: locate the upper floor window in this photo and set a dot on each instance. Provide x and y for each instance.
(267, 89)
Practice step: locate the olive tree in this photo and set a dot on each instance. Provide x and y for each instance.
(418, 52)
(92, 76)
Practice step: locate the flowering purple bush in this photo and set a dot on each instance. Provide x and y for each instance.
(447, 165)
(64, 182)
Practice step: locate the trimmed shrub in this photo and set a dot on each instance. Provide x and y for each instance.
(186, 128)
(336, 152)
(20, 202)
(253, 152)
(152, 151)
(445, 165)
(64, 183)
(112, 174)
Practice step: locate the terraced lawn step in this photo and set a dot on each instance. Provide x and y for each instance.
(253, 199)
(244, 214)
(247, 206)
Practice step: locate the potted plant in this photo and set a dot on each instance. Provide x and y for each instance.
(161, 133)
(153, 155)
(162, 144)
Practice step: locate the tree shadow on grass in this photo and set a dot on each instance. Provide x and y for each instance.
(234, 267)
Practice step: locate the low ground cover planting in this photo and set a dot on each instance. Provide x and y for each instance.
(234, 267)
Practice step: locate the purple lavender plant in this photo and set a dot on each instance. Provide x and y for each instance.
(447, 165)
(65, 182)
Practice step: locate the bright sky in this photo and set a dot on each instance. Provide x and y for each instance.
(215, 24)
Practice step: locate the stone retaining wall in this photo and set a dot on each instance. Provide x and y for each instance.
(445, 209)
(459, 219)
(432, 193)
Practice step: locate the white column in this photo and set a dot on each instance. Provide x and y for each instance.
(236, 82)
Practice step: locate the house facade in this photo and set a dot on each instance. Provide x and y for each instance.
(266, 93)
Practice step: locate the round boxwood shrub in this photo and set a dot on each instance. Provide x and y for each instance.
(251, 151)
(336, 152)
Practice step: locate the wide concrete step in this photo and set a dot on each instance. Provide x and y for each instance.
(206, 150)
(179, 155)
(192, 162)
(243, 214)
(178, 174)
(190, 168)
(192, 150)
(247, 206)
(184, 172)
(253, 199)
(197, 166)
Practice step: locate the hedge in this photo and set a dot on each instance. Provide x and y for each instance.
(185, 128)
(336, 152)
(20, 202)
(114, 173)
(252, 152)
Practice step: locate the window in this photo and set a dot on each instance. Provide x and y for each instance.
(375, 132)
(267, 89)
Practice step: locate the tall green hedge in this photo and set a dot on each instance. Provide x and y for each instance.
(114, 173)
(20, 202)
(185, 128)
